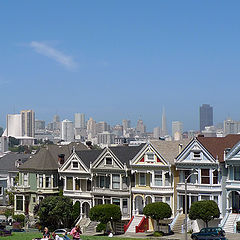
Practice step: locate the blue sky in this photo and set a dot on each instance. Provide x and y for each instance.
(120, 59)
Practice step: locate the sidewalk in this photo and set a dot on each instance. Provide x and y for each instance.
(176, 236)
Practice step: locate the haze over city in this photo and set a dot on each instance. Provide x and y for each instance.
(114, 60)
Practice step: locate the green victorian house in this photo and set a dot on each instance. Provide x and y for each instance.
(38, 177)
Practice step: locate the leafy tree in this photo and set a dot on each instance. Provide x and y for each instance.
(76, 210)
(105, 213)
(157, 211)
(10, 197)
(56, 212)
(8, 213)
(205, 210)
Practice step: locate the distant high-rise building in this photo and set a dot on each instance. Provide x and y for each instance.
(67, 131)
(79, 120)
(101, 127)
(105, 138)
(231, 127)
(39, 125)
(141, 128)
(164, 131)
(91, 127)
(14, 125)
(28, 123)
(126, 124)
(118, 130)
(206, 116)
(56, 118)
(177, 127)
(156, 132)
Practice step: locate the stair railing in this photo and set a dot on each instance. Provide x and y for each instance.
(125, 227)
(174, 220)
(224, 220)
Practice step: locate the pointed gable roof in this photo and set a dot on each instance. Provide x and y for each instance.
(169, 150)
(126, 153)
(88, 156)
(47, 158)
(217, 145)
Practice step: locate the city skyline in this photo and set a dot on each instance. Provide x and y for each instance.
(101, 59)
(134, 122)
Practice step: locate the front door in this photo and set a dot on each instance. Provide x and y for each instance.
(235, 202)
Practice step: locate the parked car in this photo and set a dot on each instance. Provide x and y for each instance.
(62, 231)
(17, 230)
(209, 233)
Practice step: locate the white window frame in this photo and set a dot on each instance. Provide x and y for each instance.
(40, 176)
(197, 152)
(108, 163)
(74, 161)
(150, 154)
(25, 180)
(145, 179)
(118, 175)
(48, 176)
(158, 173)
(1, 190)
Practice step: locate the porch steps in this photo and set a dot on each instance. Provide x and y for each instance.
(230, 224)
(132, 228)
(91, 228)
(177, 227)
(83, 223)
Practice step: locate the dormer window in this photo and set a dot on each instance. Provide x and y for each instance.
(108, 161)
(197, 155)
(75, 164)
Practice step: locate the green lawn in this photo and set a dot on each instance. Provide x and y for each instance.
(30, 236)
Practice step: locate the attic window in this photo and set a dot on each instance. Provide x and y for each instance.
(108, 161)
(197, 154)
(150, 157)
(74, 164)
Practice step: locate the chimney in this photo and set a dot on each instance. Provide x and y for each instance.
(89, 144)
(61, 159)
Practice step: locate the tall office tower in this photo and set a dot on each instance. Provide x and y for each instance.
(28, 123)
(91, 128)
(56, 118)
(177, 129)
(164, 124)
(39, 125)
(141, 128)
(156, 132)
(79, 120)
(102, 127)
(206, 116)
(14, 125)
(67, 131)
(126, 124)
(56, 124)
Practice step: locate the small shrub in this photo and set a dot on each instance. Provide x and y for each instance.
(158, 234)
(101, 227)
(19, 218)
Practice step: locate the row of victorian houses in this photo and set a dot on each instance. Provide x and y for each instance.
(133, 176)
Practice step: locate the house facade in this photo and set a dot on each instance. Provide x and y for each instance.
(38, 177)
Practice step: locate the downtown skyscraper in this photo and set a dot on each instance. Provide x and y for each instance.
(206, 116)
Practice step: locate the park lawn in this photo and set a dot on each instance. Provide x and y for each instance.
(30, 236)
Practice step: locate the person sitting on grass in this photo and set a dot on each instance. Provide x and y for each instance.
(46, 233)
